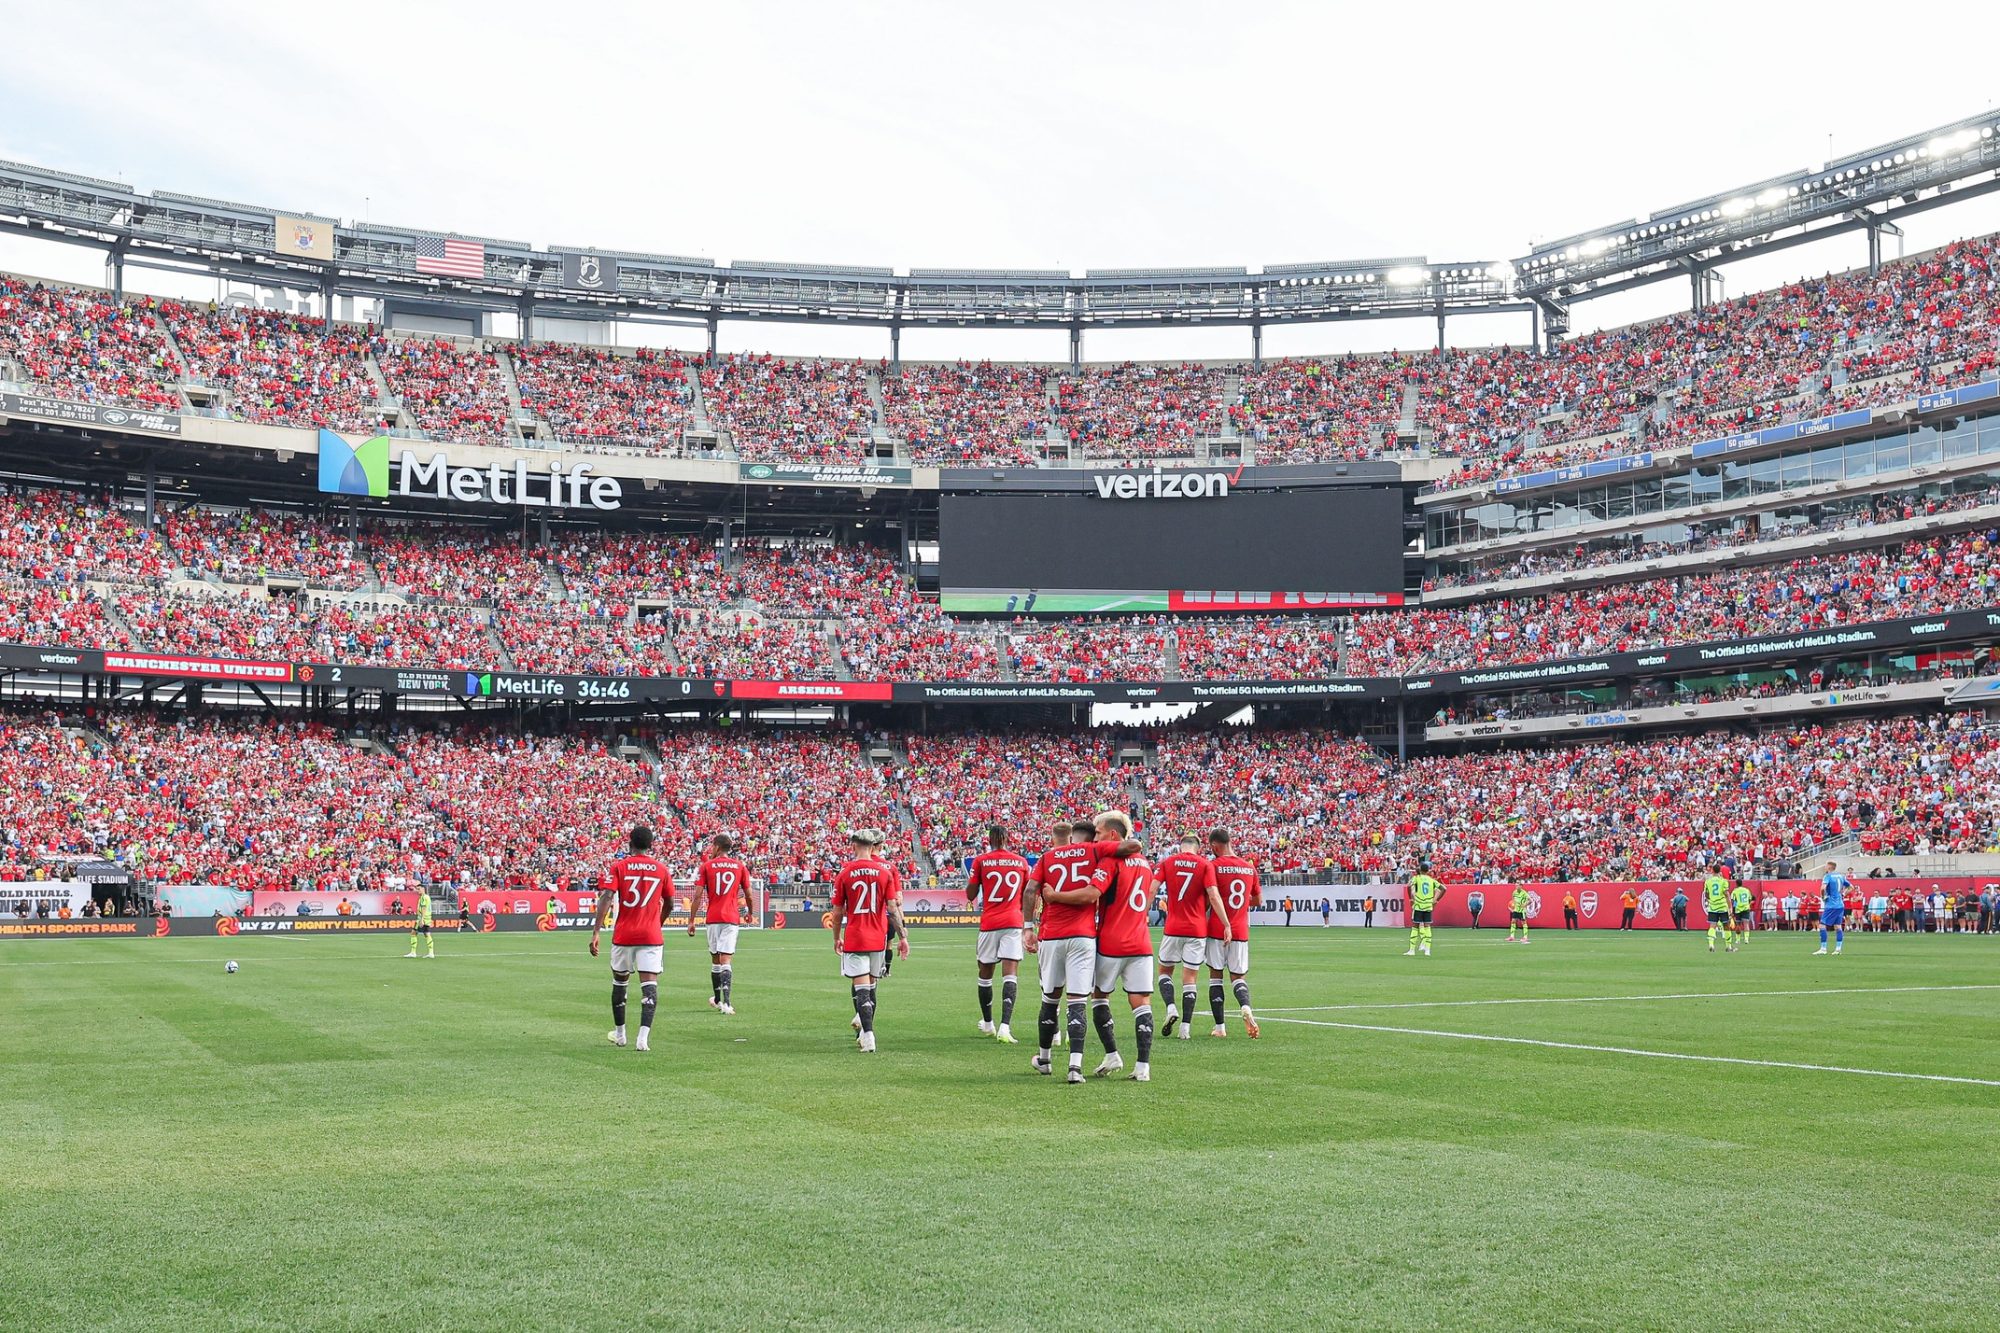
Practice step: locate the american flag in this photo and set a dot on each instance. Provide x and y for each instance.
(457, 259)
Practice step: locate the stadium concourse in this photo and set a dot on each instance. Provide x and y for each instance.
(270, 801)
(1807, 349)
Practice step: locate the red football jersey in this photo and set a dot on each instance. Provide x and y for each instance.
(863, 892)
(1125, 892)
(999, 878)
(643, 888)
(1187, 877)
(1061, 870)
(722, 880)
(1236, 879)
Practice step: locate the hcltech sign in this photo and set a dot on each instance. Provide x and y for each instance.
(1160, 485)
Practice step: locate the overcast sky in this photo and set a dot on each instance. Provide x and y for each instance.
(1064, 136)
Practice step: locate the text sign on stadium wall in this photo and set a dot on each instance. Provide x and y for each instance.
(43, 408)
(556, 487)
(1160, 484)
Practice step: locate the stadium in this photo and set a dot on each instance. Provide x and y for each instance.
(1532, 704)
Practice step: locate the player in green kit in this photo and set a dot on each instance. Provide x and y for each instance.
(1424, 894)
(1715, 902)
(1739, 913)
(1517, 913)
(423, 926)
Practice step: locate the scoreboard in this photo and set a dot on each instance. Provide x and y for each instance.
(1200, 546)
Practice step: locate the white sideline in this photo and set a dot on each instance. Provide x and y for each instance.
(1621, 999)
(1632, 1050)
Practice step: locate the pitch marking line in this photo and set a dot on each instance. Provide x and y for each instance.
(1632, 1050)
(1621, 999)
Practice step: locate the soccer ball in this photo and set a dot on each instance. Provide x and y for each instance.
(229, 966)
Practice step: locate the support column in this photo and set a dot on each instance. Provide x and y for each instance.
(714, 325)
(1694, 280)
(896, 346)
(152, 478)
(1256, 345)
(326, 297)
(1440, 319)
(1874, 251)
(114, 260)
(1402, 734)
(1534, 326)
(1076, 347)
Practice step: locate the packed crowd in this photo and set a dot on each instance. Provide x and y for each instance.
(782, 411)
(641, 401)
(61, 537)
(790, 797)
(1139, 410)
(1810, 347)
(1740, 602)
(450, 392)
(88, 345)
(273, 802)
(278, 369)
(965, 414)
(249, 545)
(957, 784)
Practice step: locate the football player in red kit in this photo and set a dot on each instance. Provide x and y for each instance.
(1192, 902)
(1229, 937)
(867, 900)
(998, 880)
(640, 888)
(722, 885)
(1124, 883)
(1066, 946)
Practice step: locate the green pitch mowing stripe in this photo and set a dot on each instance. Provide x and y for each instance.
(338, 1137)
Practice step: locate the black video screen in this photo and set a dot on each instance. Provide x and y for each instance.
(1336, 539)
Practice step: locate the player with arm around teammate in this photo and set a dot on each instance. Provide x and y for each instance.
(1124, 884)
(1236, 881)
(1833, 888)
(867, 900)
(722, 885)
(640, 888)
(999, 880)
(1067, 944)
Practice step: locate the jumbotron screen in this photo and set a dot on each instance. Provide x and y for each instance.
(1246, 550)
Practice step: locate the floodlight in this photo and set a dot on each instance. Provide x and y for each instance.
(1407, 276)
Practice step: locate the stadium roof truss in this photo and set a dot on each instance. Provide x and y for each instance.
(1864, 190)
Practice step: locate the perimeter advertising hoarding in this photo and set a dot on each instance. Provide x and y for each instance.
(1875, 636)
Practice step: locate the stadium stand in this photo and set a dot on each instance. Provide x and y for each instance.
(278, 369)
(790, 411)
(589, 395)
(450, 393)
(88, 345)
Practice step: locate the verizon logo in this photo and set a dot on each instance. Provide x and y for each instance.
(1162, 485)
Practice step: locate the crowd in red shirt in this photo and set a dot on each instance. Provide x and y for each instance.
(279, 369)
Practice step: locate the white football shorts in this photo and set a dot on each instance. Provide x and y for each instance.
(862, 964)
(995, 945)
(637, 958)
(1133, 975)
(1068, 965)
(1187, 950)
(721, 938)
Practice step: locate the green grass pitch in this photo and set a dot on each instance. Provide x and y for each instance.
(339, 1137)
